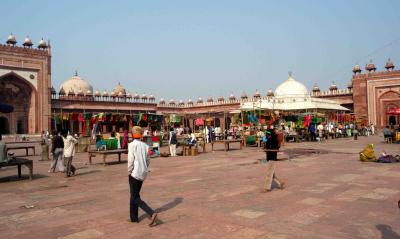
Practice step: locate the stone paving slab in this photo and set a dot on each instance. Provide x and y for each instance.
(214, 195)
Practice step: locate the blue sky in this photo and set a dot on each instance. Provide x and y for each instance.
(182, 49)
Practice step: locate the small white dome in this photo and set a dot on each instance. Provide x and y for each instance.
(11, 39)
(333, 86)
(71, 92)
(80, 92)
(291, 87)
(316, 88)
(27, 42)
(42, 44)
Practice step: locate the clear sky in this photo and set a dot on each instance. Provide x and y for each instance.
(182, 49)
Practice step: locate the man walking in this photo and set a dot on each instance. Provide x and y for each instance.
(138, 163)
(172, 142)
(69, 153)
(272, 147)
(58, 151)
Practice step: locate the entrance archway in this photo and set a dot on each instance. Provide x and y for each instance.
(385, 103)
(392, 118)
(20, 94)
(4, 125)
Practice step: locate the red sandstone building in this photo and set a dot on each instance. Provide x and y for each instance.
(26, 84)
(373, 96)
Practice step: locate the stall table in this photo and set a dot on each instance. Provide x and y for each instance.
(93, 153)
(226, 143)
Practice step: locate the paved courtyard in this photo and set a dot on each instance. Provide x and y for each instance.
(329, 194)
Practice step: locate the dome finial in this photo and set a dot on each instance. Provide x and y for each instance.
(290, 73)
(11, 40)
(76, 73)
(389, 65)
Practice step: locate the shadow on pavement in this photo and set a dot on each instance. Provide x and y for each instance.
(78, 173)
(387, 232)
(164, 208)
(23, 177)
(169, 205)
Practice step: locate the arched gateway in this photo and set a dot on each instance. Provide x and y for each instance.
(20, 94)
(25, 86)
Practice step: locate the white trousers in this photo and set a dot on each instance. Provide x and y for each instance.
(172, 150)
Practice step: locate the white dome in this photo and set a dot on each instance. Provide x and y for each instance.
(291, 87)
(76, 84)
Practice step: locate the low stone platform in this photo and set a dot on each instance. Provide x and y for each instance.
(329, 194)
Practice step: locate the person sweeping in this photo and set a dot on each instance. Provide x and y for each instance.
(138, 163)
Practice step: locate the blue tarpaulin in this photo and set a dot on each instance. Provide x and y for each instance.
(4, 108)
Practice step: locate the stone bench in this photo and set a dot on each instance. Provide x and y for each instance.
(19, 162)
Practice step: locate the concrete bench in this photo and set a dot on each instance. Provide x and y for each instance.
(19, 162)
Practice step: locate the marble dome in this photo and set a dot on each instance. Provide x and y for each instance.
(119, 90)
(291, 88)
(76, 84)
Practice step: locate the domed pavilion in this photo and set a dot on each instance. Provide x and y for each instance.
(292, 95)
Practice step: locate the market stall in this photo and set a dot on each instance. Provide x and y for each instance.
(294, 111)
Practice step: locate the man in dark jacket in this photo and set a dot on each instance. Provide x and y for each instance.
(57, 150)
(272, 148)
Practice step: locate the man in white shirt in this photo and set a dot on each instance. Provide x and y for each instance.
(69, 153)
(138, 163)
(320, 129)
